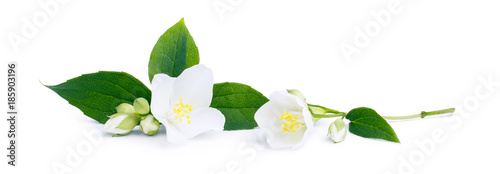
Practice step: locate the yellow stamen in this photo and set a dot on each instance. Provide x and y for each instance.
(291, 123)
(182, 110)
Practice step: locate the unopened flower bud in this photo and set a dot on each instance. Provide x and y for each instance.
(141, 106)
(125, 108)
(317, 110)
(149, 125)
(121, 124)
(296, 93)
(337, 130)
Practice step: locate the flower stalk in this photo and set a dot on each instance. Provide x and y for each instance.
(331, 113)
(423, 114)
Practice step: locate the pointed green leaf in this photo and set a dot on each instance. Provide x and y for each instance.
(174, 52)
(98, 94)
(365, 122)
(238, 103)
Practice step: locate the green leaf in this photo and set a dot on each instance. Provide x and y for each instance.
(174, 52)
(238, 103)
(98, 94)
(365, 122)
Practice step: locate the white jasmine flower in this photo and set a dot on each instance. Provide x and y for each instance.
(285, 119)
(182, 104)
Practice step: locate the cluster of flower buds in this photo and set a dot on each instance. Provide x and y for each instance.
(128, 116)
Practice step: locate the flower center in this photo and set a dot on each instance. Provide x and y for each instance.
(181, 110)
(290, 122)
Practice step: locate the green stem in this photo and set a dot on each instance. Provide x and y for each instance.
(318, 111)
(327, 110)
(421, 115)
(340, 114)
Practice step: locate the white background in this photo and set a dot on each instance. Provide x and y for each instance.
(431, 55)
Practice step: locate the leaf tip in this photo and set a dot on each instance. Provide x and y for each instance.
(48, 86)
(181, 21)
(40, 81)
